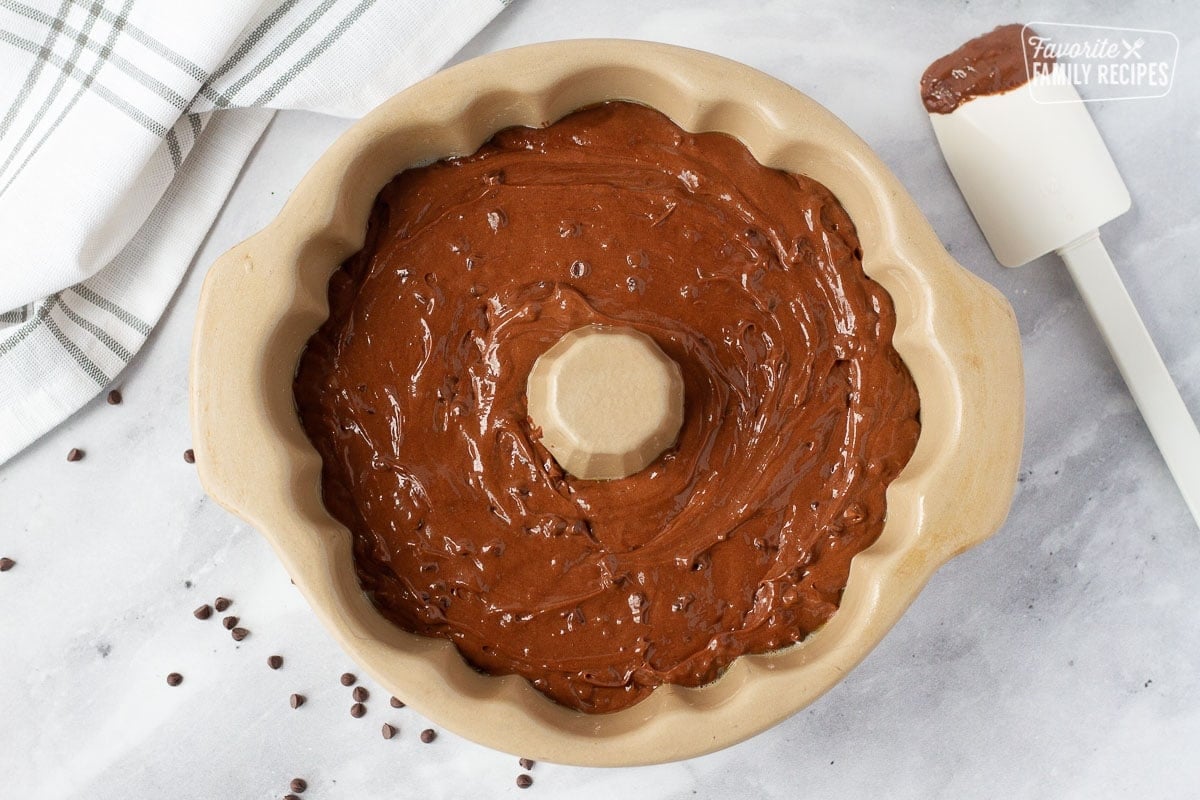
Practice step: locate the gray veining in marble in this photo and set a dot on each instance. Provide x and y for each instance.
(1060, 659)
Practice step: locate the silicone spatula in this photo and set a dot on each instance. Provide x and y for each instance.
(1038, 178)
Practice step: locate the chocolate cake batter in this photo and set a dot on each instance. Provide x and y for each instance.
(993, 63)
(736, 540)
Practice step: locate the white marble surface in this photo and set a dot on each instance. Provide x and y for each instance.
(1060, 659)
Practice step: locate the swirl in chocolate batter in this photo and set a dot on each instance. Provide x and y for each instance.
(736, 540)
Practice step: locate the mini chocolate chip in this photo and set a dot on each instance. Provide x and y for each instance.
(114, 398)
(230, 623)
(357, 710)
(526, 763)
(6, 564)
(174, 679)
(524, 781)
(222, 603)
(428, 735)
(189, 456)
(275, 662)
(397, 702)
(388, 731)
(298, 785)
(297, 700)
(239, 633)
(290, 797)
(348, 679)
(361, 694)
(75, 454)
(203, 612)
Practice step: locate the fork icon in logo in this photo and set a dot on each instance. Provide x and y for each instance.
(1132, 49)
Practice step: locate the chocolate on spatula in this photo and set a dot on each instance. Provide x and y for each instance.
(1039, 179)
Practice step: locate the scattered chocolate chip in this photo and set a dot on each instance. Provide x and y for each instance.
(203, 612)
(222, 603)
(297, 700)
(174, 679)
(75, 454)
(526, 763)
(361, 694)
(357, 710)
(6, 564)
(239, 633)
(189, 456)
(388, 731)
(298, 785)
(275, 662)
(114, 398)
(397, 702)
(348, 679)
(230, 622)
(524, 781)
(290, 797)
(428, 735)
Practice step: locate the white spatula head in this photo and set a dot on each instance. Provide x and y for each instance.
(1035, 173)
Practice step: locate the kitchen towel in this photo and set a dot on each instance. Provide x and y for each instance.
(124, 126)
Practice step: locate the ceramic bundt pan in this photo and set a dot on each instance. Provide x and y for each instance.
(264, 298)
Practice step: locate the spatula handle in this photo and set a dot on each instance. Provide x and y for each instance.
(1155, 393)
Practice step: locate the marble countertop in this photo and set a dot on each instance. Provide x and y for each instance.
(1059, 659)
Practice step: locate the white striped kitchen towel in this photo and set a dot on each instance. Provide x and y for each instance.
(123, 125)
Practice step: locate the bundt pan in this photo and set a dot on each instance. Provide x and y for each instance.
(264, 298)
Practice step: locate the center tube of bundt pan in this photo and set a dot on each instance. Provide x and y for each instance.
(607, 399)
